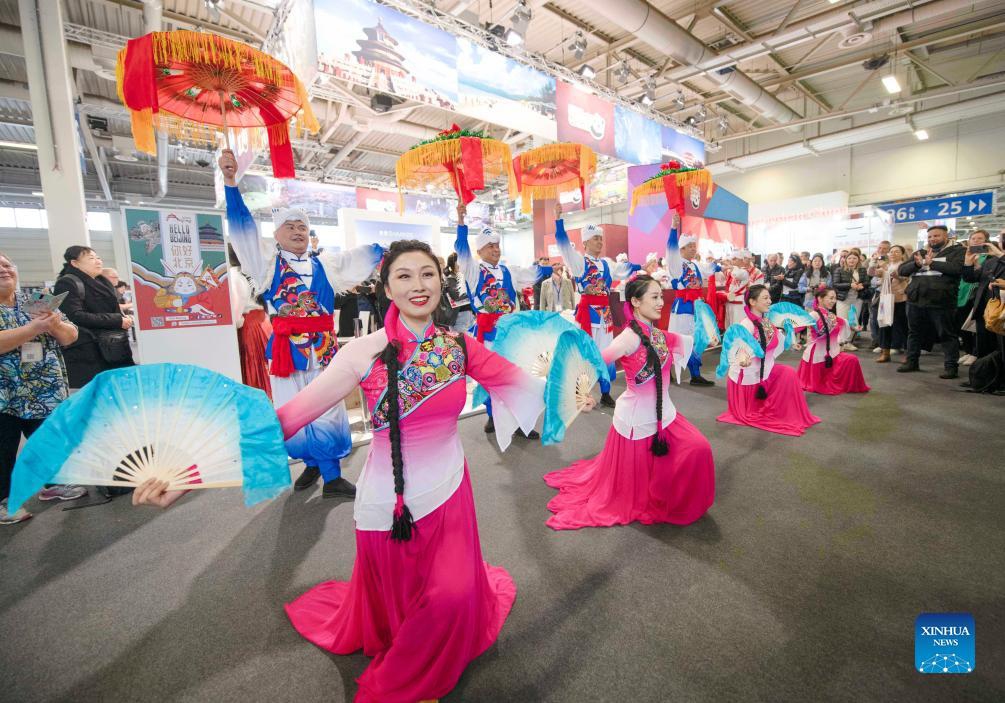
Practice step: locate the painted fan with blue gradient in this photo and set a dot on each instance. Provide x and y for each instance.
(576, 367)
(527, 339)
(186, 425)
(798, 316)
(706, 329)
(736, 335)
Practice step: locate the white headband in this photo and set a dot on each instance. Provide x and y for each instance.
(591, 231)
(687, 239)
(485, 237)
(290, 214)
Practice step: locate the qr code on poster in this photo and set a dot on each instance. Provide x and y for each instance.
(156, 322)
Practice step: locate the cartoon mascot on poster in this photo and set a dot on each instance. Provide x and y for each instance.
(182, 292)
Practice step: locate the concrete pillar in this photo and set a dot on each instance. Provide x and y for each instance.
(54, 115)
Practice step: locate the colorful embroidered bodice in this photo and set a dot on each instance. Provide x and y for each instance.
(289, 297)
(495, 295)
(636, 364)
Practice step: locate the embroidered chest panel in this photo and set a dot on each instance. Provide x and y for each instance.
(594, 282)
(639, 358)
(493, 295)
(292, 297)
(691, 277)
(437, 362)
(769, 332)
(832, 323)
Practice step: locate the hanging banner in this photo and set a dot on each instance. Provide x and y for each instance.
(686, 149)
(637, 139)
(383, 50)
(179, 268)
(498, 89)
(584, 118)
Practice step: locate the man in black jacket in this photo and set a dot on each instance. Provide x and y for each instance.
(774, 273)
(931, 300)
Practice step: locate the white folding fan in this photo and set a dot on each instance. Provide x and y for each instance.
(576, 367)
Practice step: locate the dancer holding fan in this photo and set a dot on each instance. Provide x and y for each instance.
(299, 290)
(593, 275)
(491, 286)
(825, 368)
(760, 392)
(655, 466)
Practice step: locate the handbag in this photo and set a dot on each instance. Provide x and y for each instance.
(113, 345)
(994, 315)
(884, 312)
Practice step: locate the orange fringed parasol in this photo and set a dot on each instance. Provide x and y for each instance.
(548, 170)
(671, 181)
(459, 158)
(206, 80)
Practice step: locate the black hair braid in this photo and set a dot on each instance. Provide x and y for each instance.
(402, 525)
(762, 392)
(828, 360)
(659, 445)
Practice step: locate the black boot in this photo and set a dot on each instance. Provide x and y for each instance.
(490, 427)
(607, 401)
(700, 381)
(950, 373)
(907, 367)
(307, 479)
(339, 488)
(533, 434)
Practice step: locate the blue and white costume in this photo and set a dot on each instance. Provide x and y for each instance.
(593, 277)
(299, 292)
(689, 279)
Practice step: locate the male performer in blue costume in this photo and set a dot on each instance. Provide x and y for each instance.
(299, 291)
(688, 279)
(493, 288)
(593, 275)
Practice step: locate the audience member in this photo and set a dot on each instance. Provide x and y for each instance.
(456, 290)
(851, 281)
(774, 274)
(92, 305)
(32, 382)
(790, 280)
(557, 293)
(893, 336)
(989, 278)
(814, 276)
(931, 300)
(875, 282)
(978, 246)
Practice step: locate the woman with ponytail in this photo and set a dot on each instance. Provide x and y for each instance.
(825, 368)
(760, 392)
(421, 599)
(655, 466)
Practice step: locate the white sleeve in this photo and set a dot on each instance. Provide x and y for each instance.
(346, 269)
(572, 258)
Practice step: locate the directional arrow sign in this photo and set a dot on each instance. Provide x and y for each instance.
(941, 208)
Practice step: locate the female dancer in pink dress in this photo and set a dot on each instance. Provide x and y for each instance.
(421, 600)
(655, 466)
(760, 392)
(822, 371)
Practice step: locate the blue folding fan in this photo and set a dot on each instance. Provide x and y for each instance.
(780, 313)
(736, 334)
(706, 329)
(186, 425)
(528, 340)
(576, 367)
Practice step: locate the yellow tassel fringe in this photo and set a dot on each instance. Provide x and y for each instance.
(423, 165)
(563, 151)
(700, 177)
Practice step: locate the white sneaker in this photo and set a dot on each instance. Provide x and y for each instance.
(968, 359)
(849, 347)
(7, 518)
(877, 350)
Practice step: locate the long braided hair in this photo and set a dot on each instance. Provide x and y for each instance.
(402, 526)
(634, 290)
(819, 295)
(752, 294)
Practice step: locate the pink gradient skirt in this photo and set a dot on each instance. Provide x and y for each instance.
(845, 376)
(784, 411)
(422, 609)
(626, 482)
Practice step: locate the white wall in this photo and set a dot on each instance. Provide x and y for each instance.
(963, 156)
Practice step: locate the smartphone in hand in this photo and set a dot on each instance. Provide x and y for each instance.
(978, 249)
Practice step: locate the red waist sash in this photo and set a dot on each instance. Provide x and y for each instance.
(285, 327)
(583, 310)
(486, 322)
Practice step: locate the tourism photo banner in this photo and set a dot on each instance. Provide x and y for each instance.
(179, 268)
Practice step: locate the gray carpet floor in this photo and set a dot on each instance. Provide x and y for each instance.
(802, 583)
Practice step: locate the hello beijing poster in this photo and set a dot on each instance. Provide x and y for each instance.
(179, 268)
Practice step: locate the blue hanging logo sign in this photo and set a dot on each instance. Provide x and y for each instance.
(972, 204)
(944, 643)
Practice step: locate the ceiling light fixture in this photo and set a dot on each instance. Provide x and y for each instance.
(701, 114)
(650, 95)
(18, 145)
(921, 134)
(678, 100)
(578, 45)
(623, 72)
(586, 71)
(213, 7)
(891, 84)
(723, 124)
(519, 22)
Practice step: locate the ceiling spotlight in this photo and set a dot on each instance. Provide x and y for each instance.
(650, 96)
(678, 100)
(921, 134)
(701, 114)
(723, 124)
(691, 121)
(647, 100)
(622, 72)
(586, 71)
(213, 6)
(519, 22)
(578, 45)
(891, 84)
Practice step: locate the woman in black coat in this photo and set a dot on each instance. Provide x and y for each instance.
(93, 306)
(989, 279)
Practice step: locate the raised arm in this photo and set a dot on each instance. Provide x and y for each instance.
(465, 260)
(346, 269)
(623, 345)
(953, 264)
(572, 258)
(244, 237)
(620, 270)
